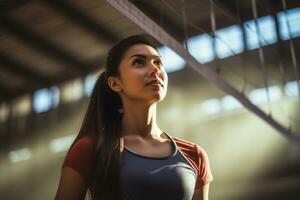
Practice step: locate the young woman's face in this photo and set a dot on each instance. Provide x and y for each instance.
(142, 75)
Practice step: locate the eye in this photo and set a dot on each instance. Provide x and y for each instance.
(158, 62)
(138, 62)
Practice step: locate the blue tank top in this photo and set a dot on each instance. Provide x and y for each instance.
(148, 178)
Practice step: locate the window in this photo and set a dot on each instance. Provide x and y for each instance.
(259, 96)
(289, 23)
(45, 99)
(72, 90)
(201, 47)
(19, 155)
(42, 100)
(230, 103)
(211, 106)
(229, 41)
(291, 89)
(4, 112)
(22, 106)
(171, 60)
(267, 31)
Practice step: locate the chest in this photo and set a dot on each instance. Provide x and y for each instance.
(157, 149)
(148, 178)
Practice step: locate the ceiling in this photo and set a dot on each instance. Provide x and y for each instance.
(45, 43)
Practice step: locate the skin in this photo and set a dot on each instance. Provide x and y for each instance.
(140, 65)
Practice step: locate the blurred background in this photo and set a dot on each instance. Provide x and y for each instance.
(51, 53)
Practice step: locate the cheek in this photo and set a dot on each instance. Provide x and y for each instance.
(133, 81)
(165, 78)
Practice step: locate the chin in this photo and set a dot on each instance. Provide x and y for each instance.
(157, 98)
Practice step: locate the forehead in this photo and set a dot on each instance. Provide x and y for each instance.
(143, 49)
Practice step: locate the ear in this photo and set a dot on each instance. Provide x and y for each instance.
(114, 84)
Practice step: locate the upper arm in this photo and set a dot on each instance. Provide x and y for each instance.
(71, 185)
(202, 193)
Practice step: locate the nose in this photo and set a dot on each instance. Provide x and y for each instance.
(154, 69)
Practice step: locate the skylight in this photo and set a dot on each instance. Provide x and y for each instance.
(211, 106)
(201, 47)
(259, 96)
(229, 41)
(230, 103)
(172, 61)
(291, 89)
(267, 31)
(289, 20)
(72, 90)
(42, 100)
(45, 99)
(19, 155)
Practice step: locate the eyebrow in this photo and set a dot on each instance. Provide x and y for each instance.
(144, 56)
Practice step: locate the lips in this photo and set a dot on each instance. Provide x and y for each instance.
(155, 82)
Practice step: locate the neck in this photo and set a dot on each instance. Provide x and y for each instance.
(140, 121)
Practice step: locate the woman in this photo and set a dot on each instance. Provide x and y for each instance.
(120, 152)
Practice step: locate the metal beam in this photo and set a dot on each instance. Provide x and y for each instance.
(23, 70)
(30, 89)
(228, 6)
(71, 12)
(233, 9)
(4, 92)
(169, 25)
(162, 36)
(7, 5)
(40, 43)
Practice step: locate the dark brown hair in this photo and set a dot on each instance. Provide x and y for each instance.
(103, 120)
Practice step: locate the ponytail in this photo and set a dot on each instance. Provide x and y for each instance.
(103, 120)
(108, 155)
